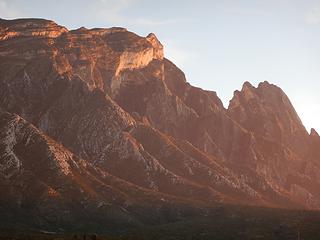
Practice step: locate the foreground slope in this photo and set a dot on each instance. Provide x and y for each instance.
(45, 186)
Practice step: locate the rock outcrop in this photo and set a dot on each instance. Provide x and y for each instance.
(29, 28)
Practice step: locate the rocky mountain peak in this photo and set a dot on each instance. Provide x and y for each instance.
(157, 46)
(247, 85)
(263, 90)
(248, 90)
(267, 111)
(314, 133)
(30, 28)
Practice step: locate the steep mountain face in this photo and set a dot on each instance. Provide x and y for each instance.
(315, 141)
(72, 107)
(102, 112)
(267, 111)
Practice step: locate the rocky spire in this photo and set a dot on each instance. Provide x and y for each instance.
(314, 133)
(157, 46)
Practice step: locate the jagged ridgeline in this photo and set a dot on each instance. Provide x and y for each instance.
(98, 130)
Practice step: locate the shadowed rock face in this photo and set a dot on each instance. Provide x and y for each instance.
(102, 112)
(267, 111)
(41, 175)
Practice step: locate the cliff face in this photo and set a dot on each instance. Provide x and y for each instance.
(29, 28)
(267, 111)
(104, 111)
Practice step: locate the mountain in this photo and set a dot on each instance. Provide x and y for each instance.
(98, 124)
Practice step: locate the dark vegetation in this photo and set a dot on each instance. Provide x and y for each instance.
(221, 223)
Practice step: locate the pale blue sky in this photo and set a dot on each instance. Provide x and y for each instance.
(218, 44)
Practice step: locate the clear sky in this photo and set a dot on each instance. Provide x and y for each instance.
(218, 44)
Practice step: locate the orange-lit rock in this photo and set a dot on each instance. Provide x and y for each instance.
(29, 28)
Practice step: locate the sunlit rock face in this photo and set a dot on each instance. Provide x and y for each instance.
(97, 56)
(106, 106)
(64, 91)
(29, 28)
(156, 45)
